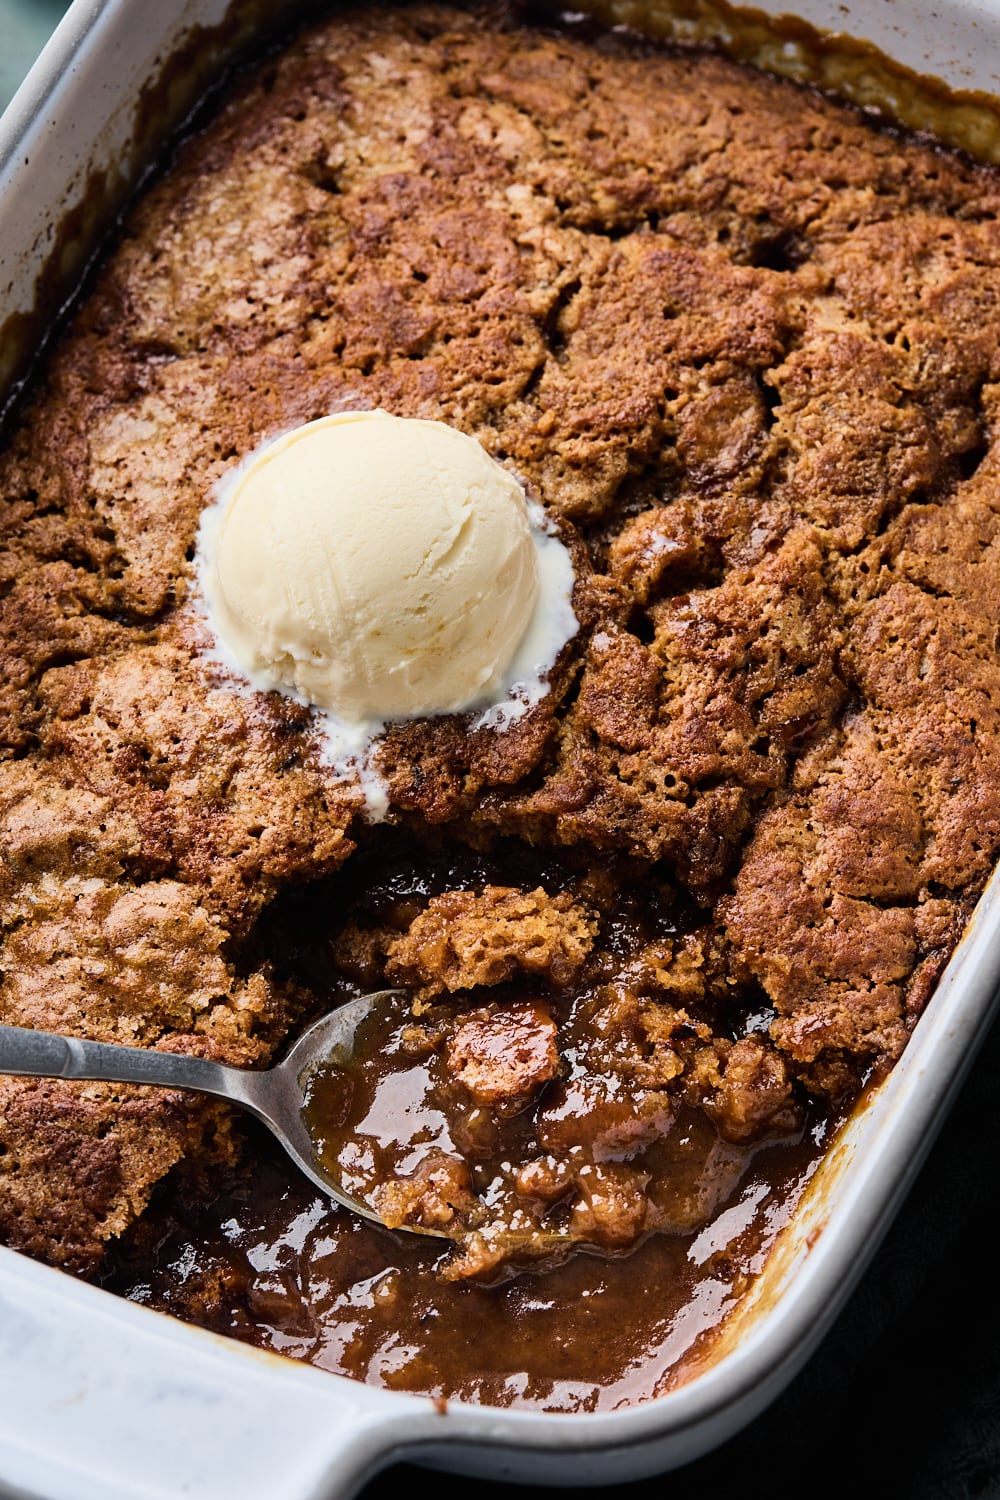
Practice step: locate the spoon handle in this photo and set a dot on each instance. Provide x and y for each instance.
(44, 1054)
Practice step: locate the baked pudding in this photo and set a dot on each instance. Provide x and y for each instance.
(656, 933)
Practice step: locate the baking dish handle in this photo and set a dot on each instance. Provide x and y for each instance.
(103, 1400)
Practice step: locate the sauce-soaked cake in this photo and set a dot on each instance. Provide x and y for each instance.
(744, 347)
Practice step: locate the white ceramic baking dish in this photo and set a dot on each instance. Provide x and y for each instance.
(103, 1400)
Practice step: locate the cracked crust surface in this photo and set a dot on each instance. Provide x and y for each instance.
(743, 345)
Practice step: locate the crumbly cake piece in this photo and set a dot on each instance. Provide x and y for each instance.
(464, 939)
(565, 1073)
(747, 349)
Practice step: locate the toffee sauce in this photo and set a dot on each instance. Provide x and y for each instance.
(260, 1255)
(269, 1262)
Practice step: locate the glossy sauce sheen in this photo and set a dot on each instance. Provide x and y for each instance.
(271, 1263)
(265, 1258)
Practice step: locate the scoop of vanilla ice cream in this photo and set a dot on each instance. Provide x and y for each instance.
(379, 566)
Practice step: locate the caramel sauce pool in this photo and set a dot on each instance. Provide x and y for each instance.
(269, 1262)
(257, 1253)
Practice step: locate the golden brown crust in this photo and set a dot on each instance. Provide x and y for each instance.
(742, 344)
(463, 940)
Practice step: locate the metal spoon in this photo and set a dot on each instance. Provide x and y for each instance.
(276, 1095)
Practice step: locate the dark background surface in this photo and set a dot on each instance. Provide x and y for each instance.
(25, 26)
(902, 1401)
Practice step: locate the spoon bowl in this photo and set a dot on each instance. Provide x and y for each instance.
(277, 1096)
